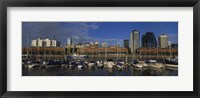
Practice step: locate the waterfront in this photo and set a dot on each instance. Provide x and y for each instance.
(78, 49)
(127, 71)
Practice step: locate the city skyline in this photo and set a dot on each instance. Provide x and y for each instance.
(91, 31)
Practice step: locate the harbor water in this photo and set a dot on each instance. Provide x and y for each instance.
(127, 71)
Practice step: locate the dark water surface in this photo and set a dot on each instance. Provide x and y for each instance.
(127, 71)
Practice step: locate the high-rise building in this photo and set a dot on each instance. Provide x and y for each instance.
(134, 40)
(149, 40)
(163, 41)
(69, 41)
(126, 43)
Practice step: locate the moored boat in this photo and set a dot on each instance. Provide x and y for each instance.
(136, 63)
(99, 64)
(53, 64)
(91, 64)
(154, 63)
(34, 64)
(109, 63)
(120, 63)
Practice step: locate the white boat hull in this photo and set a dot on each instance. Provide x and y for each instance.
(171, 65)
(138, 65)
(156, 65)
(51, 66)
(91, 65)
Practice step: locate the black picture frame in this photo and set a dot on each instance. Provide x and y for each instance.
(100, 3)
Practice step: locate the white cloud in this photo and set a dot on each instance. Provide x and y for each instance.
(77, 31)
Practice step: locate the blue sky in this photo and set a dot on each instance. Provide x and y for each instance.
(95, 31)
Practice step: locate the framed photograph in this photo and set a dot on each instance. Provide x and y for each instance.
(76, 48)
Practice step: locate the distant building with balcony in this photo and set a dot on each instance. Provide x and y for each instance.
(45, 43)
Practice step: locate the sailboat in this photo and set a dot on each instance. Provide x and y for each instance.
(136, 63)
(109, 63)
(154, 63)
(119, 62)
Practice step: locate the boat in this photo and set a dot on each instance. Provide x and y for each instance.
(76, 56)
(53, 64)
(172, 68)
(24, 64)
(34, 64)
(91, 64)
(154, 63)
(99, 64)
(143, 64)
(81, 64)
(120, 63)
(109, 63)
(43, 64)
(171, 62)
(65, 63)
(72, 64)
(171, 65)
(136, 63)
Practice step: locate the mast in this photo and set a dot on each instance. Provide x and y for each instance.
(140, 55)
(106, 49)
(117, 50)
(28, 44)
(27, 51)
(54, 45)
(37, 49)
(170, 50)
(157, 52)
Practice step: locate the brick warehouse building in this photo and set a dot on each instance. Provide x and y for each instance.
(154, 51)
(95, 50)
(43, 52)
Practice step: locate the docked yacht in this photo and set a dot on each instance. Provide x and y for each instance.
(72, 64)
(65, 63)
(33, 64)
(154, 63)
(120, 64)
(172, 62)
(109, 63)
(136, 63)
(53, 63)
(81, 64)
(24, 63)
(91, 64)
(99, 64)
(43, 64)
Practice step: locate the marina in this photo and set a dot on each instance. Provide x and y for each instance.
(98, 67)
(134, 53)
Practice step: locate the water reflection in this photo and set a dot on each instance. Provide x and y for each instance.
(95, 71)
